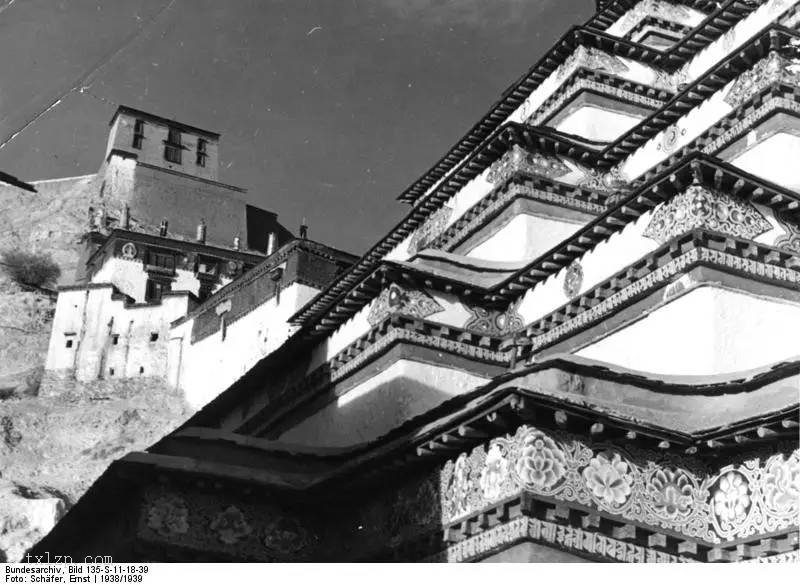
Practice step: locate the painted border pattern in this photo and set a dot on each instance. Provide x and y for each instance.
(566, 537)
(666, 491)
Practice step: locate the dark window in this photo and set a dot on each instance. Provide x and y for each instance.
(202, 152)
(161, 260)
(153, 337)
(69, 343)
(154, 290)
(110, 371)
(138, 134)
(114, 339)
(141, 369)
(172, 146)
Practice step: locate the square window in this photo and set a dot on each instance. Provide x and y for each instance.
(115, 339)
(110, 371)
(153, 337)
(69, 343)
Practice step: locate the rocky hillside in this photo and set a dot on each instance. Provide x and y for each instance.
(53, 448)
(25, 322)
(51, 220)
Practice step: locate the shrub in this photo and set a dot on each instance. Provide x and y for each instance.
(30, 268)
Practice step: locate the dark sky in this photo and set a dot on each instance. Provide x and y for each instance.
(328, 109)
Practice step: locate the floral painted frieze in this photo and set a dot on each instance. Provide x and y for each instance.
(760, 496)
(699, 207)
(433, 227)
(772, 69)
(398, 300)
(519, 160)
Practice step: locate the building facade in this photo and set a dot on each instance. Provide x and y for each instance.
(163, 238)
(579, 345)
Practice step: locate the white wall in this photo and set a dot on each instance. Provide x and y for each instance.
(525, 237)
(91, 319)
(709, 330)
(204, 369)
(381, 403)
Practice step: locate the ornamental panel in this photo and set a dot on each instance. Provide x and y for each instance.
(699, 207)
(519, 160)
(398, 300)
(495, 323)
(430, 230)
(759, 496)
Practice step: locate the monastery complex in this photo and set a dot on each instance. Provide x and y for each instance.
(579, 345)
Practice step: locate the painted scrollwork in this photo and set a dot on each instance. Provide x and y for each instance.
(790, 241)
(699, 207)
(497, 323)
(761, 495)
(519, 160)
(772, 69)
(396, 299)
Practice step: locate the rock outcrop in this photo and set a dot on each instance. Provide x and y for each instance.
(55, 447)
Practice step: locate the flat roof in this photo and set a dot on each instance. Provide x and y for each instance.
(162, 120)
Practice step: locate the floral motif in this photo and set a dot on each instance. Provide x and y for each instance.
(732, 499)
(782, 485)
(519, 160)
(430, 230)
(168, 515)
(541, 463)
(671, 493)
(608, 479)
(458, 490)
(498, 323)
(767, 71)
(230, 525)
(285, 536)
(494, 473)
(698, 207)
(395, 299)
(573, 279)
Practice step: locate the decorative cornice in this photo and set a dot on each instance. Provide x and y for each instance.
(757, 497)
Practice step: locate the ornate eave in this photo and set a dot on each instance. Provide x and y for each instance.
(700, 169)
(712, 28)
(510, 134)
(508, 411)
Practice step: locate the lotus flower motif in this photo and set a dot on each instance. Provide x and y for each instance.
(168, 515)
(732, 498)
(231, 525)
(542, 463)
(608, 479)
(671, 493)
